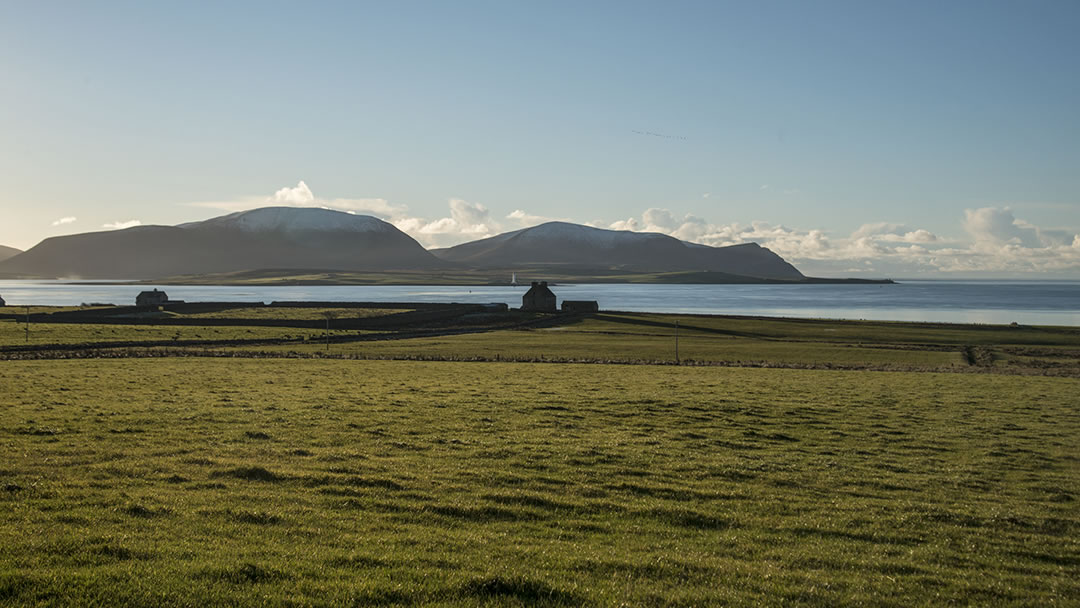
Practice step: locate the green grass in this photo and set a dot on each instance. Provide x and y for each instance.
(13, 333)
(281, 313)
(18, 311)
(632, 337)
(608, 337)
(302, 482)
(628, 346)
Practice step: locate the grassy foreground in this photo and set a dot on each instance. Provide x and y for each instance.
(304, 482)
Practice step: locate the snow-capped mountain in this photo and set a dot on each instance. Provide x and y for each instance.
(293, 219)
(269, 238)
(310, 239)
(574, 245)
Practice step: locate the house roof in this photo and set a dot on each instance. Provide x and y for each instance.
(539, 289)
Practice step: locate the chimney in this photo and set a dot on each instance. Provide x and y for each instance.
(535, 284)
(543, 283)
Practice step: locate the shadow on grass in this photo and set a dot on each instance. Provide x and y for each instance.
(250, 474)
(483, 514)
(243, 574)
(260, 518)
(524, 590)
(144, 512)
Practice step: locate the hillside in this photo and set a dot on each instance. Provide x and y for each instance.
(272, 237)
(574, 245)
(8, 252)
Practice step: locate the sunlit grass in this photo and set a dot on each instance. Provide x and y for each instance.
(192, 481)
(13, 333)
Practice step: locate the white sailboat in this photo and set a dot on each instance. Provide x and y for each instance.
(513, 279)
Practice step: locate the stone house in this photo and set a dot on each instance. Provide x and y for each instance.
(152, 298)
(539, 298)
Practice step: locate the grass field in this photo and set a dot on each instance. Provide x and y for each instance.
(13, 333)
(189, 482)
(291, 313)
(734, 340)
(582, 343)
(604, 337)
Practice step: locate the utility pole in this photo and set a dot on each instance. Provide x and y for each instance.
(328, 314)
(676, 342)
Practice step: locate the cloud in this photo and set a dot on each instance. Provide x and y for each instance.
(523, 219)
(122, 225)
(1000, 243)
(992, 227)
(302, 196)
(891, 232)
(467, 221)
(65, 220)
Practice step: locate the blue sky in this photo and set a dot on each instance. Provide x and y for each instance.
(876, 138)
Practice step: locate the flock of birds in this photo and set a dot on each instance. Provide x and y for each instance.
(662, 135)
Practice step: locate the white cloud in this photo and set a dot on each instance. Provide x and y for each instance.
(627, 224)
(523, 219)
(467, 222)
(993, 227)
(65, 220)
(122, 225)
(302, 196)
(1000, 244)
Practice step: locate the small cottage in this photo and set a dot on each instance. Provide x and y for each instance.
(2, 302)
(151, 298)
(539, 298)
(580, 306)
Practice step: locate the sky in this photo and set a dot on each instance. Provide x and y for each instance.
(889, 139)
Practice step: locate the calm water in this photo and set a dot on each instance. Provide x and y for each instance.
(1028, 302)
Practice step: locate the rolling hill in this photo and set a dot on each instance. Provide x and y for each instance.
(271, 237)
(8, 252)
(573, 245)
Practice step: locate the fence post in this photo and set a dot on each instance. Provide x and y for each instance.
(676, 342)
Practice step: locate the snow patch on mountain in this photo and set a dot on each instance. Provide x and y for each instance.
(586, 235)
(294, 219)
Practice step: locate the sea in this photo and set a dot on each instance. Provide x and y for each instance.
(985, 302)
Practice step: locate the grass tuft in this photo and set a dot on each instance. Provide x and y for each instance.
(250, 474)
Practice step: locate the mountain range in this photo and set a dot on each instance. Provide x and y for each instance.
(289, 239)
(271, 237)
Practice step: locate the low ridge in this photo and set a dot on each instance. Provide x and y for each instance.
(8, 252)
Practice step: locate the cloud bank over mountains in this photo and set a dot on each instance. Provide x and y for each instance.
(997, 243)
